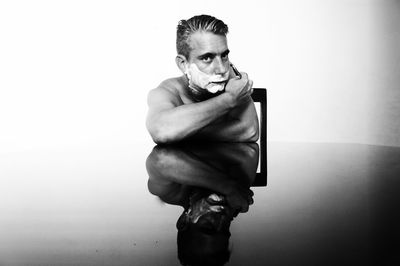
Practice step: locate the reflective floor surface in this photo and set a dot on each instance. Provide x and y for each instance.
(201, 204)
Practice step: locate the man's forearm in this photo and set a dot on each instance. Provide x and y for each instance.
(186, 120)
(233, 131)
(228, 130)
(242, 126)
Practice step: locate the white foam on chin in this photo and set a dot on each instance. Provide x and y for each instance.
(202, 80)
(216, 88)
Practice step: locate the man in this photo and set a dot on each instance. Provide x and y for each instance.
(210, 101)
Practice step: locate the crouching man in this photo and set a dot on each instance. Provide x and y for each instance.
(211, 100)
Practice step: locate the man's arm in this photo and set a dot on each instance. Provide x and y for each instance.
(169, 120)
(239, 125)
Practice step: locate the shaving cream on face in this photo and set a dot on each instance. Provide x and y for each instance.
(205, 81)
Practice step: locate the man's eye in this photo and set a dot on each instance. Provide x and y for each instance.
(206, 59)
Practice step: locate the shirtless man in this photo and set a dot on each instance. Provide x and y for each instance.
(210, 101)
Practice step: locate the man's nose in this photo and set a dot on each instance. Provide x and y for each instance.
(220, 66)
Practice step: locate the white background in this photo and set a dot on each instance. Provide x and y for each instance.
(75, 73)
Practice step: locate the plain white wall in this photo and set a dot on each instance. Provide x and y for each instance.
(77, 73)
(386, 74)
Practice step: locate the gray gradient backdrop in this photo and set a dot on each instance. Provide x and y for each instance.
(77, 73)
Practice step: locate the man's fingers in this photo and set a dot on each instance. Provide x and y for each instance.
(240, 88)
(250, 87)
(244, 75)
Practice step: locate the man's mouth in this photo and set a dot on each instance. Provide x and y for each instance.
(219, 82)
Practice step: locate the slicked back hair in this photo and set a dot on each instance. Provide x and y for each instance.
(197, 23)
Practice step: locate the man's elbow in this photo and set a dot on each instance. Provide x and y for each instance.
(158, 137)
(161, 135)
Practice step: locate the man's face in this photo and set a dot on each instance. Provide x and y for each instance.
(208, 64)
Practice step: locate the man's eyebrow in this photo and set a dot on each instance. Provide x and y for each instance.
(212, 55)
(226, 52)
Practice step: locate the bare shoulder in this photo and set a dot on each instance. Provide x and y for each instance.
(168, 92)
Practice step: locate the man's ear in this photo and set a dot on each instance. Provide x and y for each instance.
(181, 62)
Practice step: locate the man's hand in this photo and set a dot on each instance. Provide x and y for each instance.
(239, 89)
